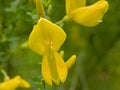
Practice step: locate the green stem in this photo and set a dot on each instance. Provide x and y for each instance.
(6, 77)
(59, 22)
(65, 18)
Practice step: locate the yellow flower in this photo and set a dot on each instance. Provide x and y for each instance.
(45, 39)
(86, 15)
(12, 84)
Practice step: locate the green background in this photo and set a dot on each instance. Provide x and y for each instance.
(97, 48)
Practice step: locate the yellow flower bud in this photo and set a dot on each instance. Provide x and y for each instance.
(39, 8)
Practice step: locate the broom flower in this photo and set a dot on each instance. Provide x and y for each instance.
(91, 15)
(12, 84)
(46, 39)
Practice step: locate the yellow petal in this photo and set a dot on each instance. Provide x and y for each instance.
(24, 83)
(10, 84)
(90, 15)
(71, 61)
(44, 33)
(52, 66)
(74, 4)
(61, 67)
(13, 83)
(46, 71)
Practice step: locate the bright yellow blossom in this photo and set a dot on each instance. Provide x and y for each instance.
(45, 39)
(12, 84)
(86, 15)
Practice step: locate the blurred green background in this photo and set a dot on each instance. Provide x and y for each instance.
(97, 48)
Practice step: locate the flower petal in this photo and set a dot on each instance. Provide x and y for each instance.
(74, 4)
(46, 71)
(10, 84)
(61, 67)
(24, 83)
(44, 33)
(90, 15)
(52, 66)
(71, 61)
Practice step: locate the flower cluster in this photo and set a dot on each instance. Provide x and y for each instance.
(46, 37)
